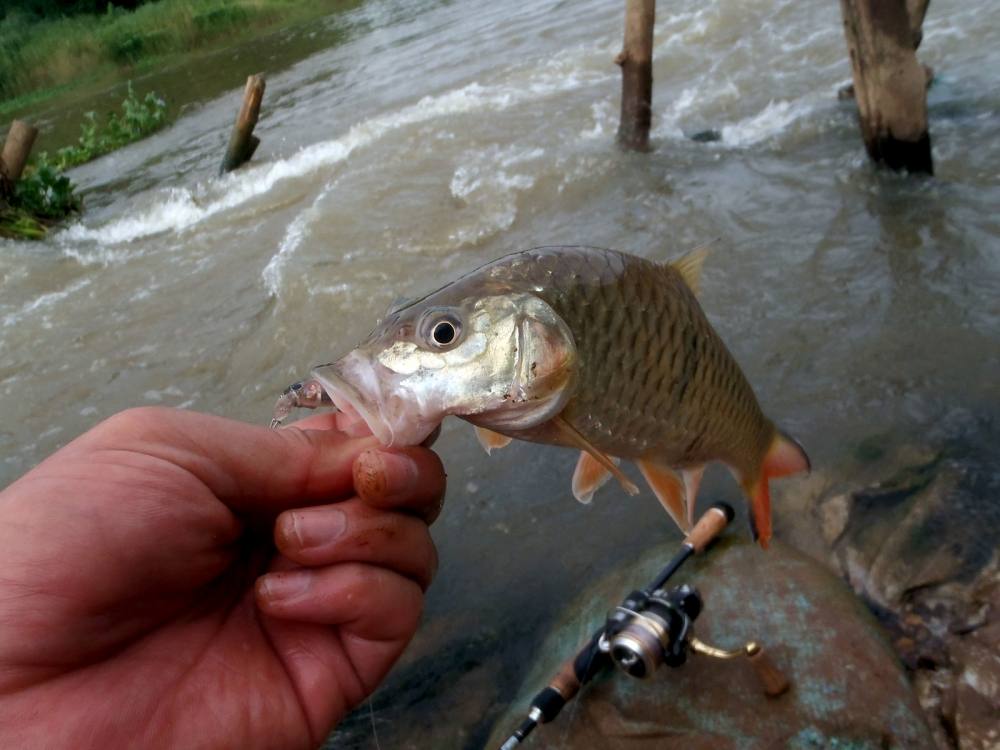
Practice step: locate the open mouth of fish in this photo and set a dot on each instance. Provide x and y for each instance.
(354, 387)
(338, 381)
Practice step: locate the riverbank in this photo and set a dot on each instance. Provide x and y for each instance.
(40, 59)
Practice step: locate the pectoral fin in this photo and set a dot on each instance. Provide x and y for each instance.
(491, 440)
(572, 436)
(589, 476)
(669, 490)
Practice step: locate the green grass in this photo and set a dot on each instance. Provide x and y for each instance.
(40, 55)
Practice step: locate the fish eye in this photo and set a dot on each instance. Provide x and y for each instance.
(442, 330)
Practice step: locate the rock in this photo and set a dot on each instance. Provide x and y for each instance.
(711, 135)
(922, 548)
(848, 689)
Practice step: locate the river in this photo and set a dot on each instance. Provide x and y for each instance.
(405, 142)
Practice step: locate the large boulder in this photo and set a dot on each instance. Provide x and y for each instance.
(848, 687)
(917, 534)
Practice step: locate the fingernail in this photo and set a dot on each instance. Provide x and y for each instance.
(387, 474)
(282, 587)
(316, 528)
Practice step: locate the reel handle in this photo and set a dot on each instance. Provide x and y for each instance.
(772, 680)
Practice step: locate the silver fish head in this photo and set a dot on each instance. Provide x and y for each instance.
(504, 360)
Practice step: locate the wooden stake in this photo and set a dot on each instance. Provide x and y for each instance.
(16, 149)
(916, 10)
(889, 83)
(636, 61)
(242, 142)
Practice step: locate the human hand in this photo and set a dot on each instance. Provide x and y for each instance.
(133, 609)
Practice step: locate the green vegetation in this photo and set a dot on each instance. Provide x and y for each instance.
(41, 48)
(42, 196)
(139, 118)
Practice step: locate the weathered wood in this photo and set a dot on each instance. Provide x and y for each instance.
(636, 61)
(16, 149)
(242, 142)
(889, 84)
(916, 10)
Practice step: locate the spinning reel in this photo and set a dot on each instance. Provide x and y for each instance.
(650, 628)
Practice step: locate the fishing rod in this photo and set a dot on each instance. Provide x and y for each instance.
(651, 627)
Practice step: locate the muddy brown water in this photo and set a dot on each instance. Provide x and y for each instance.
(406, 142)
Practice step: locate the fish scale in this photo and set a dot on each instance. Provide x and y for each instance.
(624, 311)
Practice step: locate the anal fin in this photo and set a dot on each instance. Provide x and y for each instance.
(784, 457)
(588, 477)
(669, 490)
(491, 440)
(572, 436)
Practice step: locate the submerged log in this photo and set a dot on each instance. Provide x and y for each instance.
(242, 142)
(16, 149)
(889, 84)
(636, 61)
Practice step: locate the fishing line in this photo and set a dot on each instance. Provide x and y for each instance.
(371, 715)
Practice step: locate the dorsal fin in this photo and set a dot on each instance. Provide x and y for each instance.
(689, 267)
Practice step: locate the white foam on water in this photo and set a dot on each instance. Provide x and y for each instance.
(178, 208)
(487, 181)
(296, 232)
(183, 207)
(44, 301)
(768, 123)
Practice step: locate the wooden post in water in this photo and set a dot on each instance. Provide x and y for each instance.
(16, 149)
(890, 86)
(636, 61)
(242, 142)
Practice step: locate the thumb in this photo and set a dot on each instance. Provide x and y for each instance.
(251, 469)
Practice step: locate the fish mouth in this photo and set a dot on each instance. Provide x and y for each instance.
(348, 382)
(358, 386)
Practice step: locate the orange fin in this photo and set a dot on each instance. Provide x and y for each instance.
(783, 458)
(491, 440)
(669, 490)
(573, 437)
(692, 481)
(589, 476)
(689, 267)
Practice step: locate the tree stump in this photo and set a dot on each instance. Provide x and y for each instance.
(16, 149)
(636, 61)
(242, 142)
(889, 83)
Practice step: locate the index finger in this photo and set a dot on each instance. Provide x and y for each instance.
(249, 468)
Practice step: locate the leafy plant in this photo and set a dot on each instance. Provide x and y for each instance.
(46, 193)
(40, 198)
(138, 118)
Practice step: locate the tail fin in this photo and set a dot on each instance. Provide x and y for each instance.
(784, 457)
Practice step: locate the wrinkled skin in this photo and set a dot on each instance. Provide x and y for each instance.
(175, 579)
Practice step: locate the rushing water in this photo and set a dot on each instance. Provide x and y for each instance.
(405, 142)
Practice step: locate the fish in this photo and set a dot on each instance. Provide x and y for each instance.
(588, 348)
